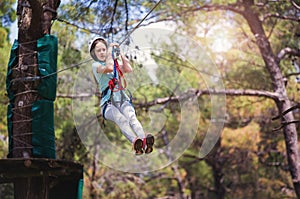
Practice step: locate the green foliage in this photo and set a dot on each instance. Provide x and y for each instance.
(4, 57)
(71, 56)
(7, 16)
(7, 13)
(3, 37)
(7, 191)
(199, 174)
(124, 190)
(223, 1)
(69, 137)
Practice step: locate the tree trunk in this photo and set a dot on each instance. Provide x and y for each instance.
(34, 21)
(216, 162)
(24, 98)
(283, 102)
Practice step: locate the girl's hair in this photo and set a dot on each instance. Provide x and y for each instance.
(93, 46)
(98, 41)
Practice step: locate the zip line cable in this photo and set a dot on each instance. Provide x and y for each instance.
(42, 77)
(79, 27)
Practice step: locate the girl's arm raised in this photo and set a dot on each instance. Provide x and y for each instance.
(109, 64)
(106, 69)
(126, 67)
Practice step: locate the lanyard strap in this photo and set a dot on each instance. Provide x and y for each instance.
(118, 78)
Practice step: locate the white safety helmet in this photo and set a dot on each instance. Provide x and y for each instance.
(91, 45)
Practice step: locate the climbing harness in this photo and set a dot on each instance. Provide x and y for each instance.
(118, 82)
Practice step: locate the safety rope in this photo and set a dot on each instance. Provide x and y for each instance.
(24, 79)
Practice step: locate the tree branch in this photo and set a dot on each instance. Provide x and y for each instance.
(113, 16)
(288, 51)
(278, 16)
(286, 111)
(292, 74)
(295, 5)
(98, 32)
(215, 7)
(197, 93)
(272, 29)
(77, 96)
(127, 16)
(185, 10)
(187, 95)
(285, 124)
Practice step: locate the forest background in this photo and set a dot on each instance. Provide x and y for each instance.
(254, 46)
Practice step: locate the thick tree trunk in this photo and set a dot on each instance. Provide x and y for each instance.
(34, 21)
(283, 102)
(25, 93)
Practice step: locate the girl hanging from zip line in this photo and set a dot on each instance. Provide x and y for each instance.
(115, 104)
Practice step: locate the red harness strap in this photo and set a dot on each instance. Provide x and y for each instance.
(114, 81)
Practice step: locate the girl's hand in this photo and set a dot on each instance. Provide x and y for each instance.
(114, 45)
(116, 50)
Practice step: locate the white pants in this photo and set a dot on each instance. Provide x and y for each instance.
(124, 116)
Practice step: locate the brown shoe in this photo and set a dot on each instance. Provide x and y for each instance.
(149, 143)
(138, 146)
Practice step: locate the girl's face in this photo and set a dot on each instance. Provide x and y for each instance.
(100, 51)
